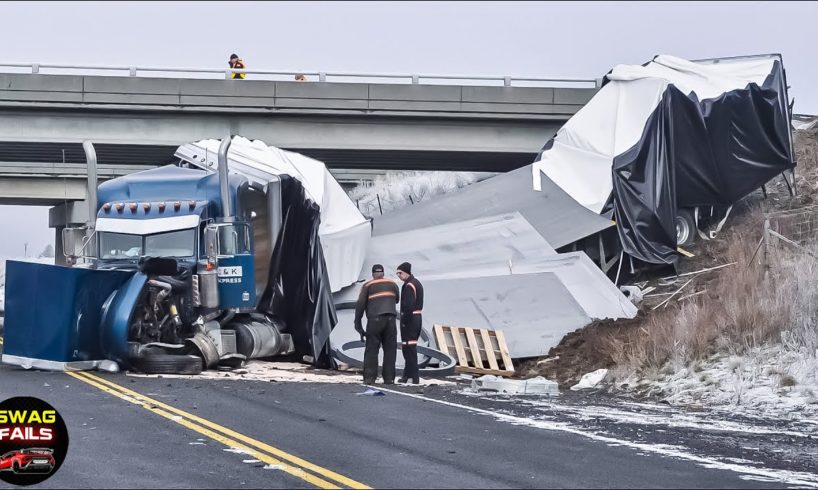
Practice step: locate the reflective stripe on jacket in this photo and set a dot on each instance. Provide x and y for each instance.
(411, 298)
(377, 297)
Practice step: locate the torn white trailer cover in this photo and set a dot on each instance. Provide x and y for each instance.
(343, 230)
(496, 272)
(671, 134)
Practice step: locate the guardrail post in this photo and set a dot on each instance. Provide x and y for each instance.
(598, 83)
(415, 79)
(322, 77)
(133, 71)
(507, 81)
(35, 68)
(227, 74)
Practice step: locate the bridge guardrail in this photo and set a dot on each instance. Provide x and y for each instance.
(323, 76)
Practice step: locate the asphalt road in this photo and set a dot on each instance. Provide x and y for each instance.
(308, 435)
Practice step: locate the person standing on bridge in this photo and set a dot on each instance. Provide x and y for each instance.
(411, 309)
(378, 298)
(237, 63)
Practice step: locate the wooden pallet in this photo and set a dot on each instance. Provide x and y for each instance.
(477, 350)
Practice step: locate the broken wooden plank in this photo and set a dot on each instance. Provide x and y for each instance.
(504, 354)
(489, 349)
(692, 295)
(698, 272)
(674, 294)
(475, 348)
(684, 252)
(440, 335)
(787, 240)
(495, 372)
(458, 346)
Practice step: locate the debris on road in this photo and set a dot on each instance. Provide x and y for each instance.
(287, 372)
(534, 386)
(108, 366)
(372, 392)
(591, 380)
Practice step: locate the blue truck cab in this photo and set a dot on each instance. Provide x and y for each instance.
(175, 261)
(181, 227)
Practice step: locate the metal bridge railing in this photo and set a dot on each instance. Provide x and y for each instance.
(136, 71)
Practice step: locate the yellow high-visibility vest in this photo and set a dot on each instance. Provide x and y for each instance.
(238, 65)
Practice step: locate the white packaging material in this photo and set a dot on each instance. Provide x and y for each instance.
(534, 386)
(590, 380)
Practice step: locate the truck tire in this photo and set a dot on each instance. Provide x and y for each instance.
(167, 364)
(685, 228)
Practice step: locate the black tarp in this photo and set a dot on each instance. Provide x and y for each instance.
(698, 153)
(298, 290)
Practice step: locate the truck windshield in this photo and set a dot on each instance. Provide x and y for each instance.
(119, 245)
(124, 246)
(173, 244)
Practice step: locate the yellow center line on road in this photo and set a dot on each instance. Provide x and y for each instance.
(228, 437)
(297, 472)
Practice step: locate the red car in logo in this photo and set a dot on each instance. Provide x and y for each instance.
(32, 460)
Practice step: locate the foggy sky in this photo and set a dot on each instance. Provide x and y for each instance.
(572, 39)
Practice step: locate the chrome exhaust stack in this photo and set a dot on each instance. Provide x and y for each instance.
(224, 184)
(91, 191)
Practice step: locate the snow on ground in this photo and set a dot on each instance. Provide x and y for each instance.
(770, 381)
(401, 189)
(759, 450)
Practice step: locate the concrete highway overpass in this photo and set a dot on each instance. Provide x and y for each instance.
(358, 124)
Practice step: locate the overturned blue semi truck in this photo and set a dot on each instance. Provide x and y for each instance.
(180, 269)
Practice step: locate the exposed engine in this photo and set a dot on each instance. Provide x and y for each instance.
(165, 312)
(173, 330)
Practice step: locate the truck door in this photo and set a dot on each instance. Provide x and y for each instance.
(236, 268)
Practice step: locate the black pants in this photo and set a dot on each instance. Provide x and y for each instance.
(409, 333)
(380, 330)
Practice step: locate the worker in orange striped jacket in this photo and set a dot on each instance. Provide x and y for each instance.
(378, 298)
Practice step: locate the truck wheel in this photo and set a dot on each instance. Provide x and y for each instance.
(685, 228)
(168, 364)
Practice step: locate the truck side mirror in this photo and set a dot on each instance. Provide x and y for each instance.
(211, 241)
(73, 242)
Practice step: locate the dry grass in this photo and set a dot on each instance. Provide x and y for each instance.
(806, 156)
(746, 306)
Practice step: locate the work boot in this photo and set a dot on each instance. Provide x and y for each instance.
(369, 381)
(403, 380)
(390, 382)
(416, 381)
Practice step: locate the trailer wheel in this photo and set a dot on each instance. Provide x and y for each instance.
(685, 228)
(167, 364)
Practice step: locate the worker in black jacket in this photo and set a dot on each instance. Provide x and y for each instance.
(378, 298)
(411, 309)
